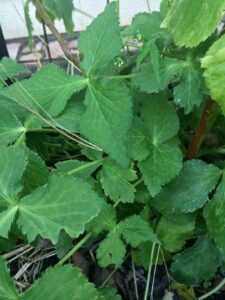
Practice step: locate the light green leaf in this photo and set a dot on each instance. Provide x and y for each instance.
(188, 191)
(188, 94)
(62, 10)
(135, 231)
(196, 263)
(214, 216)
(185, 16)
(101, 42)
(7, 288)
(13, 161)
(153, 112)
(174, 231)
(111, 250)
(214, 63)
(116, 181)
(108, 117)
(6, 219)
(59, 283)
(47, 90)
(64, 203)
(163, 164)
(110, 294)
(138, 142)
(105, 221)
(10, 127)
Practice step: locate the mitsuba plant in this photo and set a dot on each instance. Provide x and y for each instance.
(127, 155)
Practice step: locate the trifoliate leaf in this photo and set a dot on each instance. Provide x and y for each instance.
(153, 112)
(163, 164)
(6, 219)
(188, 191)
(47, 90)
(173, 232)
(147, 81)
(214, 216)
(64, 203)
(36, 173)
(138, 141)
(63, 282)
(101, 42)
(135, 231)
(13, 161)
(183, 19)
(196, 263)
(214, 74)
(105, 221)
(108, 117)
(116, 181)
(62, 10)
(10, 127)
(7, 288)
(111, 250)
(10, 69)
(188, 94)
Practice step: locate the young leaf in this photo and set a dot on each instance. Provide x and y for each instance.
(101, 42)
(111, 250)
(214, 216)
(135, 231)
(189, 191)
(7, 288)
(47, 90)
(65, 203)
(116, 181)
(163, 164)
(62, 10)
(63, 282)
(197, 263)
(174, 231)
(108, 117)
(214, 74)
(10, 127)
(183, 19)
(13, 161)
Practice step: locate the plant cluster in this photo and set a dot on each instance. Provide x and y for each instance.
(128, 153)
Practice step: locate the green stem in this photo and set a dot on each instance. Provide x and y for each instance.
(74, 249)
(213, 291)
(148, 4)
(43, 130)
(21, 139)
(149, 271)
(86, 166)
(118, 7)
(84, 13)
(138, 182)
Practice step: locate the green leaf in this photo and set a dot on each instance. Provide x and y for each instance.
(153, 112)
(111, 250)
(6, 220)
(189, 191)
(163, 164)
(105, 220)
(65, 203)
(188, 93)
(214, 216)
(63, 282)
(196, 263)
(101, 42)
(62, 10)
(183, 19)
(135, 231)
(174, 231)
(7, 288)
(214, 63)
(108, 117)
(110, 294)
(10, 69)
(10, 127)
(13, 161)
(64, 244)
(47, 90)
(116, 181)
(147, 81)
(36, 173)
